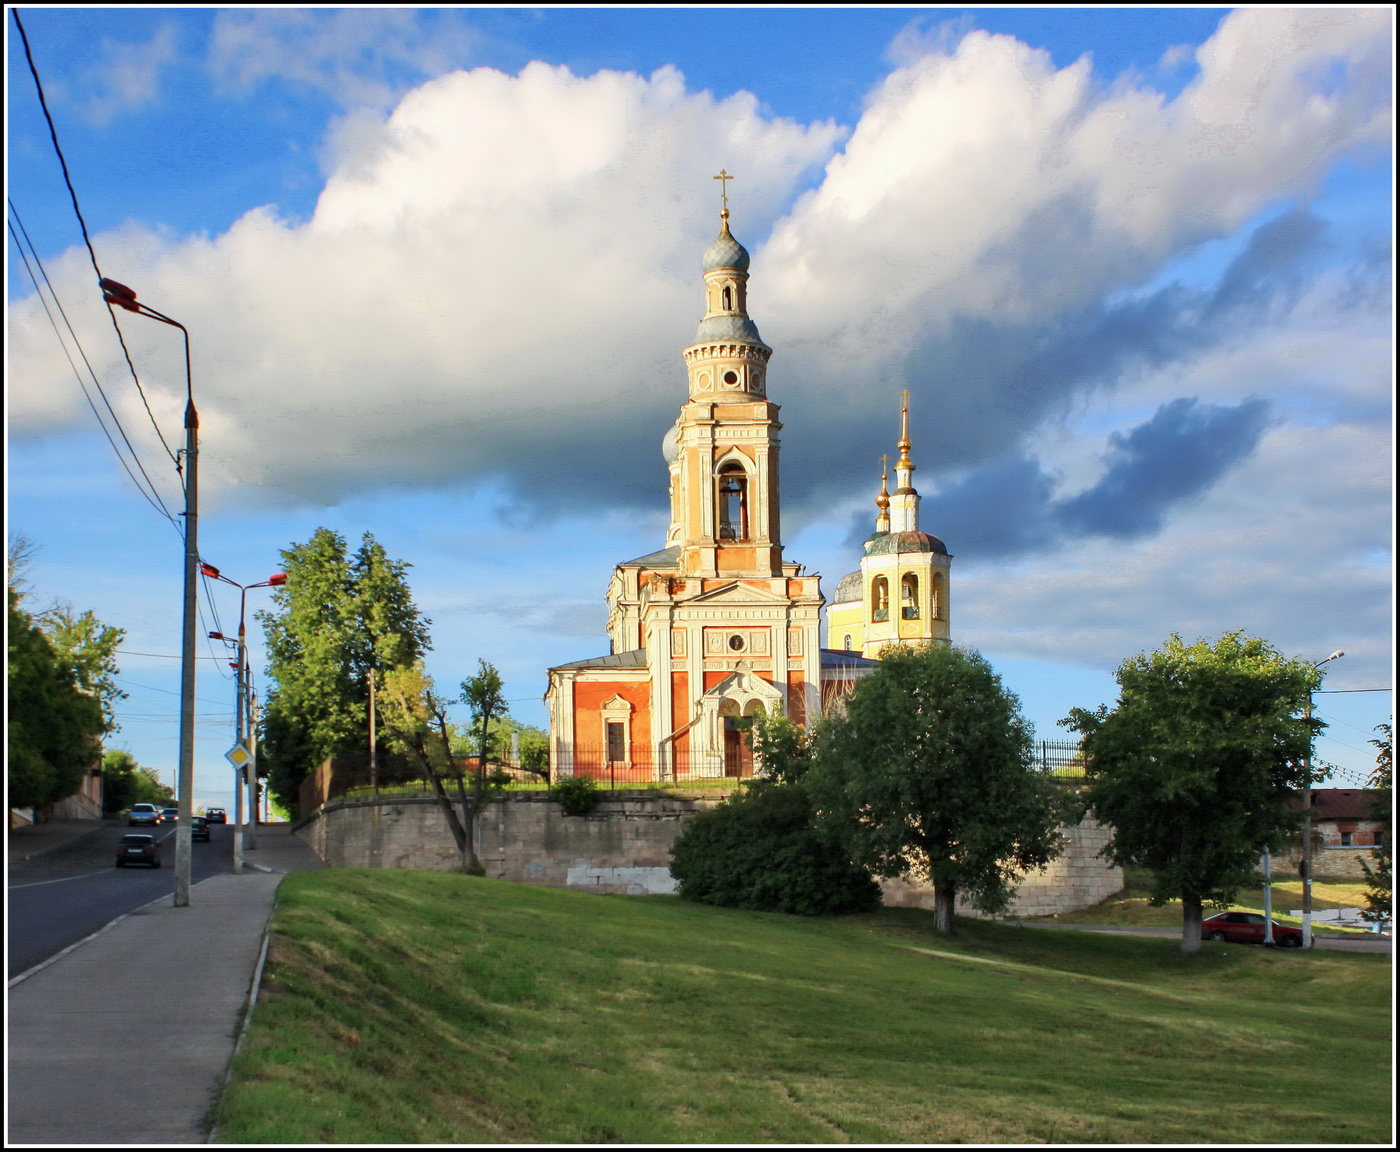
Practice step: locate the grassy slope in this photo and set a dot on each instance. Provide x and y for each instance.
(416, 1007)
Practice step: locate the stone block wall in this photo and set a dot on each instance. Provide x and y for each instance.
(1079, 878)
(623, 846)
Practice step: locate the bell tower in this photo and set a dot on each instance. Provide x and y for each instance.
(723, 451)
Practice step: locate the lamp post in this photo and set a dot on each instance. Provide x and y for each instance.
(121, 296)
(237, 666)
(248, 773)
(1307, 816)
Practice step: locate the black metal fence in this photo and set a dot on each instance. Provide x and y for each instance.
(1062, 759)
(640, 763)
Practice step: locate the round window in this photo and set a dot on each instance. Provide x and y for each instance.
(736, 642)
(731, 378)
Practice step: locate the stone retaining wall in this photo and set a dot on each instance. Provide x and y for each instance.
(622, 847)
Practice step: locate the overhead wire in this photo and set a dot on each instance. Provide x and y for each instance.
(82, 224)
(149, 490)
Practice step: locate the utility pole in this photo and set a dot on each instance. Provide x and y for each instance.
(1306, 867)
(373, 751)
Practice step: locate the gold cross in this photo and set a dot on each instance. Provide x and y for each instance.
(723, 187)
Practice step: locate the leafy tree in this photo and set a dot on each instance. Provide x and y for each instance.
(760, 848)
(88, 649)
(416, 719)
(506, 732)
(1379, 895)
(485, 696)
(1193, 766)
(338, 621)
(125, 782)
(930, 773)
(54, 727)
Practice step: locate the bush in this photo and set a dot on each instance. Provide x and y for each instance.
(758, 850)
(577, 795)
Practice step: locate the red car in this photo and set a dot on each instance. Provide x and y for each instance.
(1248, 928)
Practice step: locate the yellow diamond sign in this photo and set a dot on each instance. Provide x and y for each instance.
(238, 756)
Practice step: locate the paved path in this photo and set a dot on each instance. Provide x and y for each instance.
(126, 1038)
(1353, 942)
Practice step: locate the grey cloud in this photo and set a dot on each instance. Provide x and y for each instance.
(1007, 507)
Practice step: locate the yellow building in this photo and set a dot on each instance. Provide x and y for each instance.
(899, 595)
(717, 624)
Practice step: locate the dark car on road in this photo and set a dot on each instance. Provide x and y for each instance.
(138, 848)
(1248, 928)
(142, 814)
(199, 828)
(169, 815)
(216, 816)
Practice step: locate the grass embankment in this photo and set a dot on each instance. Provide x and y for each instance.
(1132, 907)
(418, 1007)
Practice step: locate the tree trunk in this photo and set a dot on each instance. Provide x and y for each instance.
(472, 809)
(459, 833)
(944, 897)
(1190, 925)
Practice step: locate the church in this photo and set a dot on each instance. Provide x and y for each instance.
(717, 625)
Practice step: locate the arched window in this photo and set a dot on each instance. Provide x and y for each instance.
(848, 643)
(728, 298)
(909, 597)
(880, 600)
(935, 608)
(733, 502)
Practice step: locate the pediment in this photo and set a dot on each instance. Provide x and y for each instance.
(742, 682)
(737, 593)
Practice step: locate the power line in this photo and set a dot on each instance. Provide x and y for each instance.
(82, 224)
(152, 496)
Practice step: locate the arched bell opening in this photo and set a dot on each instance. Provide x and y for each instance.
(909, 597)
(879, 600)
(733, 492)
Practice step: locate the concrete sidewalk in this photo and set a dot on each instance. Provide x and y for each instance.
(126, 1039)
(30, 840)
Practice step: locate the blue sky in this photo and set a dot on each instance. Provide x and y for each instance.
(1133, 264)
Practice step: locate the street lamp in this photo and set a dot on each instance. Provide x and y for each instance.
(244, 725)
(1307, 816)
(123, 297)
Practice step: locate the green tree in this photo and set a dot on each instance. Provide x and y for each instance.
(338, 621)
(415, 718)
(1379, 895)
(88, 649)
(54, 727)
(760, 848)
(929, 773)
(125, 782)
(1193, 766)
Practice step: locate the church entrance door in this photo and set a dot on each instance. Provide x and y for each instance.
(738, 756)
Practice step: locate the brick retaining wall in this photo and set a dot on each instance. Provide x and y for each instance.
(623, 846)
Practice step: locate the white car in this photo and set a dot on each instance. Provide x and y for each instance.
(142, 814)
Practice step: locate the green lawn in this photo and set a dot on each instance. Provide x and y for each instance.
(418, 1007)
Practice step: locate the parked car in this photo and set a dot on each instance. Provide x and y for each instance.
(215, 816)
(1248, 928)
(199, 828)
(142, 814)
(169, 815)
(138, 848)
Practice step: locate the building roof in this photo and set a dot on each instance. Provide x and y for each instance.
(666, 558)
(848, 588)
(836, 658)
(885, 542)
(728, 327)
(1338, 803)
(725, 252)
(637, 658)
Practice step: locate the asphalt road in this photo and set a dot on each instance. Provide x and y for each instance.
(60, 897)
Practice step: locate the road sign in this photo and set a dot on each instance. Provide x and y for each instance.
(238, 756)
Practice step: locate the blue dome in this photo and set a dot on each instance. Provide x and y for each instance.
(728, 327)
(725, 252)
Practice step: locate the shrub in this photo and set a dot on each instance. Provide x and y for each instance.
(758, 850)
(577, 795)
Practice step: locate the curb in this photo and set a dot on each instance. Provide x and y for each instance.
(254, 988)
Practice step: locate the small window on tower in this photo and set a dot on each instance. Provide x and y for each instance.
(848, 643)
(880, 600)
(728, 299)
(909, 597)
(731, 378)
